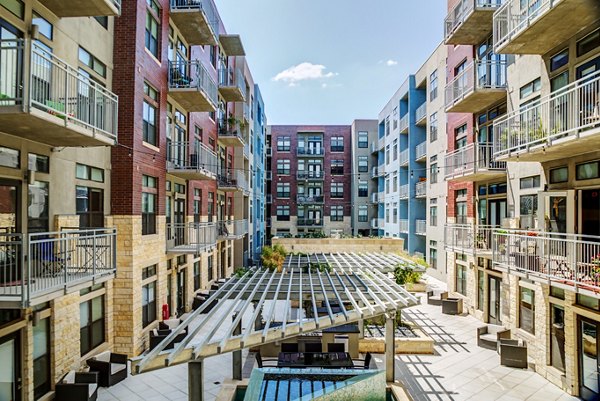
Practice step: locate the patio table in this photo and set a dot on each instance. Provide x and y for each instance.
(327, 360)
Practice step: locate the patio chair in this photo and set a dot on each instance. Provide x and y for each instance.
(77, 386)
(452, 306)
(366, 363)
(513, 353)
(157, 336)
(289, 347)
(488, 336)
(433, 299)
(313, 347)
(261, 362)
(336, 347)
(49, 264)
(111, 368)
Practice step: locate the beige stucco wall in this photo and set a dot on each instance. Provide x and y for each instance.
(325, 245)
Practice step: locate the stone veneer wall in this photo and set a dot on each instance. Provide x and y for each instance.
(326, 245)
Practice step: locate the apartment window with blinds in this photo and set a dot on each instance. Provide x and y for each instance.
(433, 86)
(91, 324)
(433, 216)
(363, 189)
(337, 167)
(283, 143)
(148, 303)
(433, 173)
(363, 214)
(395, 150)
(337, 144)
(283, 189)
(283, 213)
(283, 166)
(433, 127)
(363, 139)
(337, 189)
(337, 213)
(363, 164)
(149, 206)
(152, 27)
(149, 116)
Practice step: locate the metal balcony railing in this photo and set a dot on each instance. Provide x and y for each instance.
(421, 113)
(421, 150)
(232, 78)
(374, 197)
(376, 223)
(49, 84)
(184, 156)
(473, 158)
(421, 189)
(404, 157)
(193, 75)
(463, 10)
(374, 172)
(39, 264)
(306, 199)
(514, 16)
(231, 129)
(310, 222)
(206, 7)
(478, 75)
(310, 151)
(404, 124)
(568, 259)
(565, 114)
(191, 238)
(232, 229)
(420, 227)
(310, 175)
(466, 238)
(404, 226)
(404, 191)
(232, 179)
(374, 146)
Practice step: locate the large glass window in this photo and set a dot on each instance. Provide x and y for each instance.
(283, 166)
(337, 213)
(433, 127)
(41, 358)
(153, 27)
(461, 279)
(283, 189)
(91, 324)
(283, 144)
(337, 189)
(196, 275)
(433, 173)
(433, 85)
(480, 289)
(149, 206)
(363, 164)
(363, 139)
(527, 309)
(283, 213)
(363, 213)
(150, 113)
(38, 207)
(148, 303)
(433, 254)
(363, 189)
(92, 62)
(337, 167)
(337, 143)
(89, 204)
(433, 216)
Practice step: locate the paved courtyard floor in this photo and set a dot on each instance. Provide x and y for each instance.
(459, 371)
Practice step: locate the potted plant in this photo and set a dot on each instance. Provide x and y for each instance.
(409, 278)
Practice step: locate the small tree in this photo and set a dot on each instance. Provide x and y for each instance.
(406, 275)
(273, 257)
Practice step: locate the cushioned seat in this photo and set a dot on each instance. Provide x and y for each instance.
(488, 336)
(111, 368)
(116, 368)
(77, 386)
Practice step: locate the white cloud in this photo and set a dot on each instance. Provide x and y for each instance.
(303, 72)
(391, 63)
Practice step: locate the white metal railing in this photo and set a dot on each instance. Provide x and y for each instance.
(374, 172)
(468, 238)
(374, 146)
(196, 237)
(232, 228)
(374, 197)
(304, 151)
(403, 123)
(463, 10)
(569, 259)
(196, 156)
(421, 189)
(421, 150)
(304, 199)
(473, 158)
(53, 86)
(563, 114)
(36, 264)
(232, 178)
(192, 75)
(310, 174)
(231, 128)
(517, 15)
(403, 225)
(478, 75)
(420, 227)
(207, 7)
(404, 157)
(421, 112)
(232, 77)
(404, 191)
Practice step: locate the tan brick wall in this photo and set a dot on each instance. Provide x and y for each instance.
(310, 245)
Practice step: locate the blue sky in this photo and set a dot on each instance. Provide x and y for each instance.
(332, 61)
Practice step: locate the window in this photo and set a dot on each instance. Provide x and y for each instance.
(527, 309)
(39, 163)
(91, 324)
(148, 303)
(44, 27)
(433, 216)
(433, 85)
(150, 114)
(38, 206)
(561, 59)
(283, 213)
(461, 279)
(89, 204)
(588, 43)
(283, 189)
(10, 157)
(395, 213)
(395, 150)
(363, 189)
(90, 173)
(17, 7)
(387, 185)
(41, 358)
(363, 164)
(433, 127)
(529, 205)
(337, 143)
(337, 167)
(283, 143)
(337, 190)
(152, 27)
(337, 213)
(363, 139)
(150, 271)
(433, 173)
(102, 21)
(559, 175)
(530, 182)
(363, 214)
(480, 289)
(587, 171)
(149, 206)
(530, 88)
(395, 182)
(196, 275)
(387, 154)
(88, 59)
(283, 166)
(197, 205)
(211, 268)
(433, 254)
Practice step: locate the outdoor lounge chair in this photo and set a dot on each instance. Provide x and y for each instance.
(111, 368)
(261, 362)
(513, 353)
(366, 363)
(313, 347)
(452, 306)
(433, 299)
(77, 386)
(336, 347)
(488, 336)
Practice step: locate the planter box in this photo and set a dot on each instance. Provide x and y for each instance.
(422, 344)
(416, 287)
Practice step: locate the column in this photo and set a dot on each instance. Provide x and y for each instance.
(390, 348)
(196, 380)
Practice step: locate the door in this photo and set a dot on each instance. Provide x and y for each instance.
(497, 211)
(10, 376)
(494, 299)
(557, 338)
(590, 212)
(181, 292)
(557, 211)
(179, 220)
(588, 359)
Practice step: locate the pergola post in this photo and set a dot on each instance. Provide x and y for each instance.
(196, 380)
(237, 355)
(361, 327)
(390, 347)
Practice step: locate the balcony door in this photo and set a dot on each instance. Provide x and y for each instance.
(557, 211)
(181, 291)
(497, 211)
(10, 60)
(179, 220)
(10, 369)
(589, 369)
(494, 300)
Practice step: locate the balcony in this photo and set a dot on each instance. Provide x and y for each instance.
(403, 125)
(374, 146)
(37, 268)
(404, 157)
(269, 199)
(310, 175)
(231, 229)
(244, 115)
(309, 199)
(421, 189)
(538, 26)
(404, 190)
(480, 85)
(557, 126)
(191, 161)
(374, 198)
(421, 115)
(83, 8)
(269, 175)
(404, 226)
(308, 152)
(309, 223)
(466, 238)
(192, 87)
(231, 132)
(374, 173)
(377, 223)
(421, 151)
(269, 152)
(470, 22)
(232, 180)
(473, 163)
(232, 85)
(197, 20)
(421, 227)
(45, 100)
(564, 260)
(191, 238)
(232, 45)
(246, 151)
